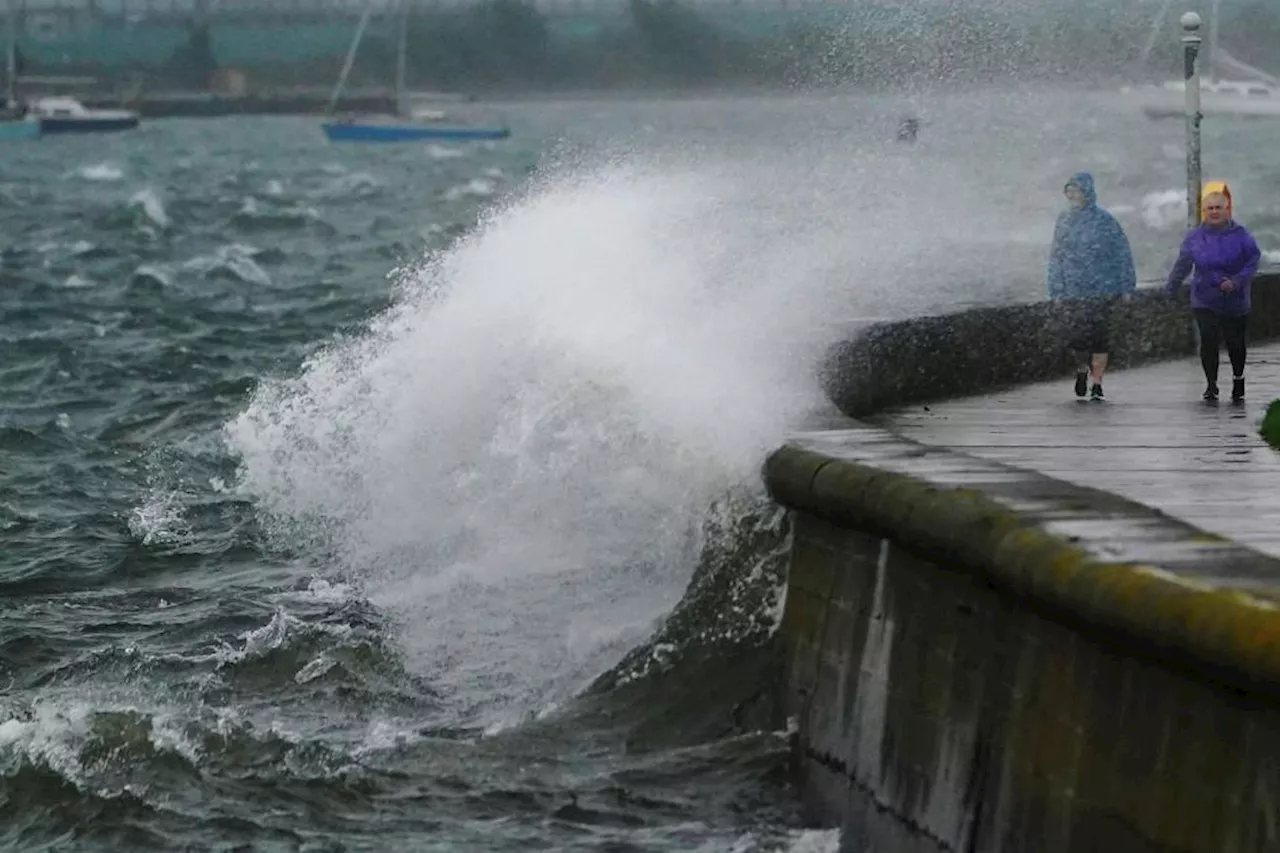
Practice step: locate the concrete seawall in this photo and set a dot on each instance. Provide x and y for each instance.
(957, 355)
(982, 658)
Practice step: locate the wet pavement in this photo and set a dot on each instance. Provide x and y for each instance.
(1153, 441)
(1108, 526)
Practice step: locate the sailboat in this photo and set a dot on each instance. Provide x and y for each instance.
(14, 121)
(1255, 93)
(404, 125)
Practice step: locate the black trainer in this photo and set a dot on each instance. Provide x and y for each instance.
(1095, 393)
(1082, 383)
(1211, 393)
(1237, 390)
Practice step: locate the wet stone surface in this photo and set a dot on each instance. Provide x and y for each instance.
(1111, 527)
(1153, 441)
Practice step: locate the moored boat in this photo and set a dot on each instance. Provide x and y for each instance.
(62, 114)
(408, 124)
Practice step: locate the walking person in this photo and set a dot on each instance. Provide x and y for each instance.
(1090, 267)
(1225, 258)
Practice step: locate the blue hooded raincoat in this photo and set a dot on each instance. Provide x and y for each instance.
(1090, 257)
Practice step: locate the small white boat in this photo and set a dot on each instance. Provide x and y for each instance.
(1243, 98)
(63, 114)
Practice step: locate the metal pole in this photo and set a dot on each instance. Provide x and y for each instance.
(1191, 83)
(11, 57)
(1191, 78)
(402, 42)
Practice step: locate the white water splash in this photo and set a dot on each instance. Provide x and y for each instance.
(160, 519)
(86, 737)
(814, 841)
(50, 737)
(798, 841)
(1164, 210)
(514, 456)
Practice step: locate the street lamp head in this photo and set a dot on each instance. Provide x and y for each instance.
(1190, 22)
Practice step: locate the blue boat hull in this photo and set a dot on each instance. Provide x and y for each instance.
(87, 125)
(19, 129)
(356, 132)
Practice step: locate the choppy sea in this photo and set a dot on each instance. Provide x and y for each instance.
(351, 496)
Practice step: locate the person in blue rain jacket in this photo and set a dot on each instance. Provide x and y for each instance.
(1090, 267)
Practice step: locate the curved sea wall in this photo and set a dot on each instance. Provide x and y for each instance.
(981, 658)
(976, 351)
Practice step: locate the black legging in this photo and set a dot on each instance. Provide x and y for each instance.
(1214, 330)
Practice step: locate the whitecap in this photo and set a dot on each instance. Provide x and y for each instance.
(234, 260)
(443, 152)
(474, 188)
(148, 202)
(99, 172)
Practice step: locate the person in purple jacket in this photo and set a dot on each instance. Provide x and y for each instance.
(1225, 258)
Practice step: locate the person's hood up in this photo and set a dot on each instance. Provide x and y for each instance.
(1212, 187)
(1084, 181)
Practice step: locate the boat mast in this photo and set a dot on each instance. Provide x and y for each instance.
(1156, 25)
(401, 51)
(1213, 41)
(346, 65)
(11, 62)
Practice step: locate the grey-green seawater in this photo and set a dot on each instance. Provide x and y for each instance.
(331, 477)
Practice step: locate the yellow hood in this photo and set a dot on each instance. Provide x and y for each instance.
(1212, 187)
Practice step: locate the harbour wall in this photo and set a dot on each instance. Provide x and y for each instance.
(964, 675)
(985, 349)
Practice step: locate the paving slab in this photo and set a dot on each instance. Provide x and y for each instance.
(1153, 441)
(1108, 526)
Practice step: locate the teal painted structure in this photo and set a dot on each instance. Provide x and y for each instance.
(235, 43)
(125, 34)
(116, 43)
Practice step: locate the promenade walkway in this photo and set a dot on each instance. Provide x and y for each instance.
(1153, 441)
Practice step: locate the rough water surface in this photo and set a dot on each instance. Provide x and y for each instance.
(407, 497)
